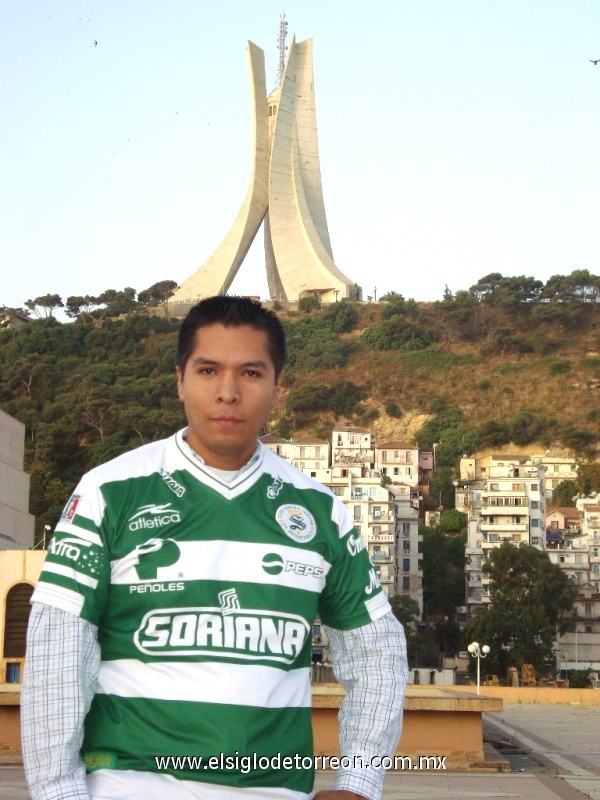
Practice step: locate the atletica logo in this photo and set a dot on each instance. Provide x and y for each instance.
(152, 516)
(249, 635)
(273, 564)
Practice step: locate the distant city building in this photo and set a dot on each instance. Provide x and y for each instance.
(399, 461)
(504, 498)
(352, 445)
(16, 523)
(387, 517)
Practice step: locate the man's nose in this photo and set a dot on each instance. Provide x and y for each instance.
(228, 391)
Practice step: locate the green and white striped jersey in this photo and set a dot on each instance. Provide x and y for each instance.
(204, 594)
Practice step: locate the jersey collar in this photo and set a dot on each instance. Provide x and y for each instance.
(245, 477)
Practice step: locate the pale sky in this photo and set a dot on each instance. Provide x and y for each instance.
(457, 138)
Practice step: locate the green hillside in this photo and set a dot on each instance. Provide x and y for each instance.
(509, 360)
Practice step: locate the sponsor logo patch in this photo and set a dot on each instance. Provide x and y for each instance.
(70, 509)
(229, 601)
(273, 564)
(175, 487)
(152, 516)
(297, 521)
(274, 488)
(243, 634)
(355, 544)
(153, 554)
(68, 547)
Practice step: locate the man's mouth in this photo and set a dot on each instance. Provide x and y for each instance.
(227, 422)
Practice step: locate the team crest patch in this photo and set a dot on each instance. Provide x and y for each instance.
(70, 509)
(297, 522)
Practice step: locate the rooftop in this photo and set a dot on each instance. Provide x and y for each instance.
(396, 446)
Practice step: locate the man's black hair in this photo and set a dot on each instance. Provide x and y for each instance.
(231, 312)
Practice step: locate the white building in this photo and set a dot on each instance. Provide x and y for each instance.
(307, 453)
(352, 446)
(16, 523)
(504, 498)
(559, 468)
(409, 561)
(574, 544)
(399, 461)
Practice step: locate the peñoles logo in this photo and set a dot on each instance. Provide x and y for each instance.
(152, 516)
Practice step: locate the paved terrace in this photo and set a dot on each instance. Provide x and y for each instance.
(558, 749)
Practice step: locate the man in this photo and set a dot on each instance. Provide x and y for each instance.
(173, 616)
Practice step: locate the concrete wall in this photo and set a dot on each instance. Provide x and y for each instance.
(16, 524)
(538, 695)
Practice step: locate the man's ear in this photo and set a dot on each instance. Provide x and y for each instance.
(179, 374)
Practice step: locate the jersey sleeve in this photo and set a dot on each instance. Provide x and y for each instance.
(352, 596)
(76, 572)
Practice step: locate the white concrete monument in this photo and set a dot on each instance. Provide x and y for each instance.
(285, 191)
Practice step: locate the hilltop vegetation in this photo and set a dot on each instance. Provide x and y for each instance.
(509, 360)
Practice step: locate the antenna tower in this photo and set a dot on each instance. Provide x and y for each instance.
(281, 46)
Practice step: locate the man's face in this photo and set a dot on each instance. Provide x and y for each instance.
(227, 390)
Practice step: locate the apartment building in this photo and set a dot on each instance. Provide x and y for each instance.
(352, 446)
(16, 523)
(409, 561)
(399, 461)
(504, 498)
(559, 468)
(573, 542)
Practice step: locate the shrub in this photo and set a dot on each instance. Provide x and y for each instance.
(308, 304)
(397, 334)
(559, 367)
(393, 409)
(484, 385)
(493, 433)
(525, 427)
(310, 397)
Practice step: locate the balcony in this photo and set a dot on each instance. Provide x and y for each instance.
(499, 527)
(381, 538)
(381, 517)
(380, 558)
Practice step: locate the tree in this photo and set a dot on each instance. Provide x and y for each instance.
(406, 611)
(158, 295)
(47, 303)
(588, 477)
(530, 598)
(452, 521)
(563, 494)
(443, 571)
(308, 304)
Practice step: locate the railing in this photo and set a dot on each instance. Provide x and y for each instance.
(381, 556)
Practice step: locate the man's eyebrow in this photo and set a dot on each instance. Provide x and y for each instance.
(202, 360)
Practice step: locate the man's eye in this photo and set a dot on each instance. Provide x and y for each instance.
(205, 371)
(252, 373)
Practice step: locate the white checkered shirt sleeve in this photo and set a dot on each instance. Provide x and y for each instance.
(59, 682)
(370, 663)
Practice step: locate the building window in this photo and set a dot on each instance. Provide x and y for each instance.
(357, 514)
(406, 528)
(384, 456)
(406, 547)
(535, 504)
(406, 584)
(406, 565)
(396, 470)
(588, 610)
(535, 487)
(535, 523)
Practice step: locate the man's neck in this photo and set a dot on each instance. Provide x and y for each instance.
(228, 462)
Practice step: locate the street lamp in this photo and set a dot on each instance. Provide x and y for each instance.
(478, 653)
